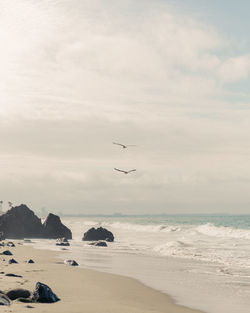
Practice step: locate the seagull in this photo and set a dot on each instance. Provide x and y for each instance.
(125, 172)
(122, 145)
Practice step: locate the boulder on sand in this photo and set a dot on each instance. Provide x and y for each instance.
(95, 234)
(18, 293)
(44, 294)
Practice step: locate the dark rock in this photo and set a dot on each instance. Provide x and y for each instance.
(20, 222)
(4, 300)
(13, 275)
(7, 252)
(18, 293)
(29, 307)
(27, 241)
(10, 244)
(12, 261)
(62, 242)
(95, 234)
(53, 228)
(100, 244)
(30, 261)
(71, 262)
(43, 293)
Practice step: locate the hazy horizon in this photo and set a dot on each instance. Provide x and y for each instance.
(170, 77)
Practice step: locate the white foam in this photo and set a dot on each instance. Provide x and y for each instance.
(223, 232)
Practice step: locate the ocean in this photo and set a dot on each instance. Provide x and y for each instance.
(202, 261)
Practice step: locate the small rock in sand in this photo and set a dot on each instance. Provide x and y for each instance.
(30, 261)
(10, 244)
(6, 252)
(13, 275)
(12, 261)
(71, 262)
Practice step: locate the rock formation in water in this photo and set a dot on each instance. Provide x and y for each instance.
(53, 228)
(95, 234)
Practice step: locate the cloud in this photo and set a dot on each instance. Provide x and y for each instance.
(235, 69)
(77, 75)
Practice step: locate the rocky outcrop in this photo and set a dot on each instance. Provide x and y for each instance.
(53, 228)
(95, 234)
(44, 294)
(20, 222)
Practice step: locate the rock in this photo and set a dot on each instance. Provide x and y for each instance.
(95, 234)
(71, 262)
(13, 275)
(12, 261)
(53, 228)
(10, 244)
(62, 242)
(99, 244)
(44, 294)
(20, 222)
(18, 293)
(30, 261)
(4, 300)
(27, 241)
(7, 252)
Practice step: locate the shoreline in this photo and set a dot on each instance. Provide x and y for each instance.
(81, 289)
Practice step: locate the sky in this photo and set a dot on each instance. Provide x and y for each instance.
(171, 77)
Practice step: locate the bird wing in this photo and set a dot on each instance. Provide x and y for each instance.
(119, 144)
(132, 171)
(117, 169)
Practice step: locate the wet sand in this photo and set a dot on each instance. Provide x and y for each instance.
(80, 290)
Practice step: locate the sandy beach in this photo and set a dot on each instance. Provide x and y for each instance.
(80, 290)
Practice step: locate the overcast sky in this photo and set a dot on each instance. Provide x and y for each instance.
(171, 77)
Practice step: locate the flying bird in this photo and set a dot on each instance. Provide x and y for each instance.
(122, 145)
(125, 172)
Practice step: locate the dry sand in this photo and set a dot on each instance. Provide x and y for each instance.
(80, 290)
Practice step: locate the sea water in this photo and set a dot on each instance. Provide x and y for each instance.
(202, 261)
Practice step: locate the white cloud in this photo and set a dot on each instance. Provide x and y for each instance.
(77, 75)
(235, 69)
